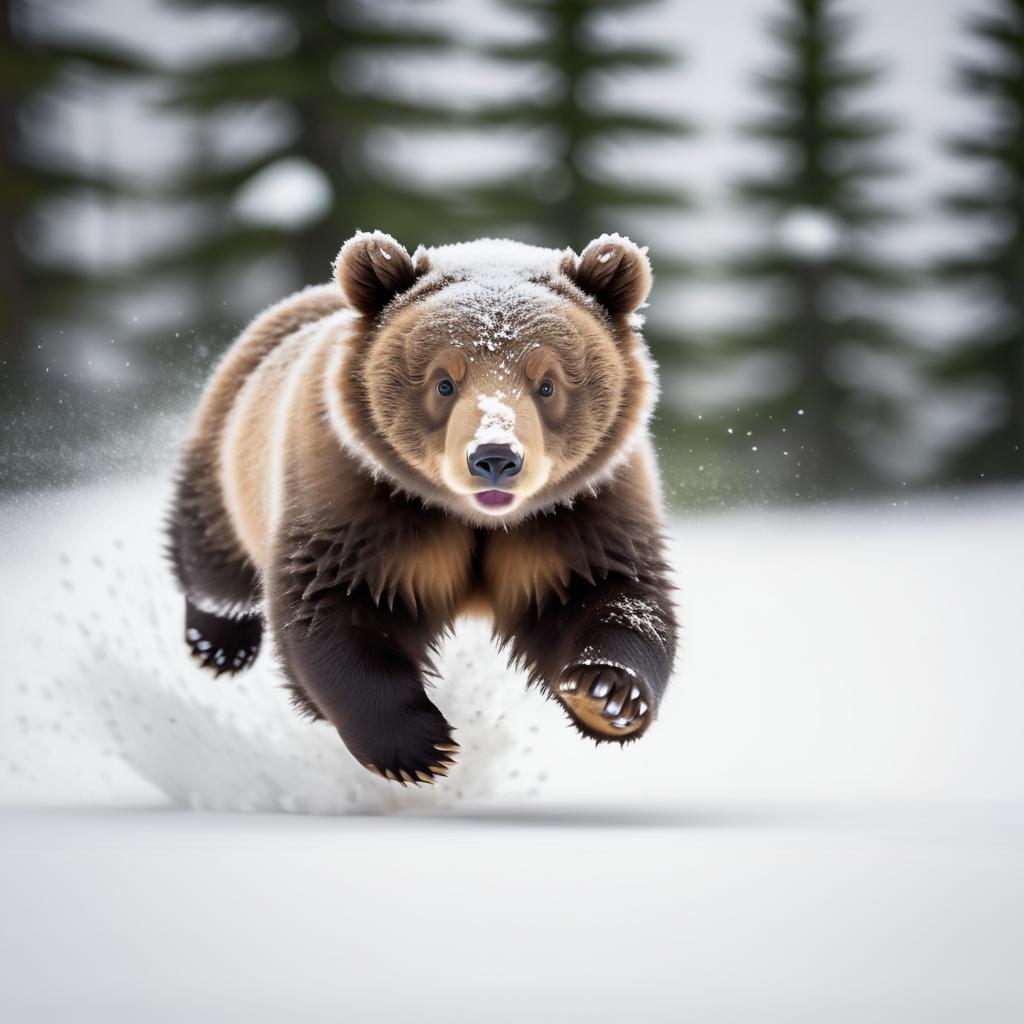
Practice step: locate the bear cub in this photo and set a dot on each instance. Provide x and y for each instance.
(460, 431)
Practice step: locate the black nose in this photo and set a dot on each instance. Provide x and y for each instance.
(494, 462)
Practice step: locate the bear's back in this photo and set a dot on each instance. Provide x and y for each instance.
(234, 430)
(253, 346)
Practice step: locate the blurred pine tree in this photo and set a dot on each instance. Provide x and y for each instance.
(995, 155)
(303, 73)
(824, 277)
(571, 199)
(573, 196)
(41, 62)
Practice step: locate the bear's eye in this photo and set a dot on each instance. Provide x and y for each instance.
(546, 389)
(445, 388)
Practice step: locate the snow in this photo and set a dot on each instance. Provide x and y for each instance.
(637, 614)
(500, 262)
(826, 822)
(497, 424)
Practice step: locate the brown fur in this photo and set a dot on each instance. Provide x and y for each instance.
(326, 469)
(208, 556)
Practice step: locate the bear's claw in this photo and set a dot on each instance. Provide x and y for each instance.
(426, 773)
(606, 702)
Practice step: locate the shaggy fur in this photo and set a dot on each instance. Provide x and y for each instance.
(326, 490)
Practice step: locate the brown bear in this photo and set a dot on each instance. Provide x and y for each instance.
(462, 431)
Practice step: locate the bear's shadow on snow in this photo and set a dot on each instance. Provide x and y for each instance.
(616, 816)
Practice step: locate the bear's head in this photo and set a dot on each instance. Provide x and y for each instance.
(492, 378)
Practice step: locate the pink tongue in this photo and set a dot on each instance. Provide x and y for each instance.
(495, 498)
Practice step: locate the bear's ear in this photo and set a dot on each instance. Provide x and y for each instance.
(372, 268)
(613, 270)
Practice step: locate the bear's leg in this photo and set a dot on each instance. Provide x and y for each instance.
(606, 653)
(361, 667)
(223, 623)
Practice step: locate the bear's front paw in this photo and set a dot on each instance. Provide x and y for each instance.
(419, 749)
(606, 702)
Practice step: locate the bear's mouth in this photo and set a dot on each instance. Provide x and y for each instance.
(495, 499)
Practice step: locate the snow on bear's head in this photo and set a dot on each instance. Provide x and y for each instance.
(492, 377)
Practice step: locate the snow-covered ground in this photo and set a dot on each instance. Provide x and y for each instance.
(826, 824)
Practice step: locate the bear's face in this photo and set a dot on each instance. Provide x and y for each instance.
(495, 379)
